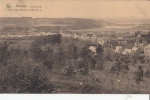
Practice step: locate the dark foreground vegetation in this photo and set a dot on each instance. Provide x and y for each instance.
(54, 64)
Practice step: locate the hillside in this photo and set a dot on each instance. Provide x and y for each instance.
(16, 24)
(73, 23)
(14, 21)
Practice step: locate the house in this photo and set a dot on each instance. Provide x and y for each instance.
(93, 49)
(94, 38)
(147, 51)
(119, 49)
(141, 46)
(139, 35)
(134, 49)
(75, 36)
(100, 41)
(127, 51)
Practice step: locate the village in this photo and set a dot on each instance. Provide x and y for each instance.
(103, 58)
(138, 43)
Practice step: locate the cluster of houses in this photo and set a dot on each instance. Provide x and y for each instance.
(144, 50)
(25, 35)
(92, 38)
(140, 46)
(126, 51)
(124, 46)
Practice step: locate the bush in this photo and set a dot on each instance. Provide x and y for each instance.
(90, 89)
(25, 78)
(147, 73)
(69, 72)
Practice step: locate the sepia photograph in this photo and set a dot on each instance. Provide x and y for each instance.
(75, 46)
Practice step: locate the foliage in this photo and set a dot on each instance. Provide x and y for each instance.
(138, 75)
(147, 73)
(83, 67)
(48, 64)
(4, 53)
(100, 58)
(73, 52)
(53, 39)
(25, 78)
(60, 59)
(119, 67)
(70, 72)
(36, 52)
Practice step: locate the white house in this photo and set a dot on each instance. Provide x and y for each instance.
(100, 41)
(75, 36)
(147, 51)
(134, 49)
(127, 51)
(93, 49)
(118, 48)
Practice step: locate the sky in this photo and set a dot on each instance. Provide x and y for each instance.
(99, 9)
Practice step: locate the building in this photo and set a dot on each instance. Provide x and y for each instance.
(75, 36)
(93, 38)
(119, 49)
(100, 41)
(134, 49)
(127, 51)
(147, 51)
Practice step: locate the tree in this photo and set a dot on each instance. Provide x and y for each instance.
(137, 33)
(18, 53)
(4, 53)
(36, 52)
(140, 71)
(60, 60)
(26, 77)
(58, 38)
(48, 64)
(69, 72)
(138, 75)
(100, 58)
(92, 62)
(108, 55)
(83, 67)
(73, 52)
(48, 58)
(135, 57)
(147, 73)
(84, 52)
(117, 68)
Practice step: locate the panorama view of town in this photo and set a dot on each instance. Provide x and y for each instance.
(75, 46)
(74, 55)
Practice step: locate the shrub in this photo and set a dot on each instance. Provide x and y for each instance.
(147, 73)
(69, 72)
(25, 78)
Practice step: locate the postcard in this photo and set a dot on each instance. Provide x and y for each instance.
(75, 46)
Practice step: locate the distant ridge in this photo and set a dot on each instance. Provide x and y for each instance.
(12, 25)
(73, 22)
